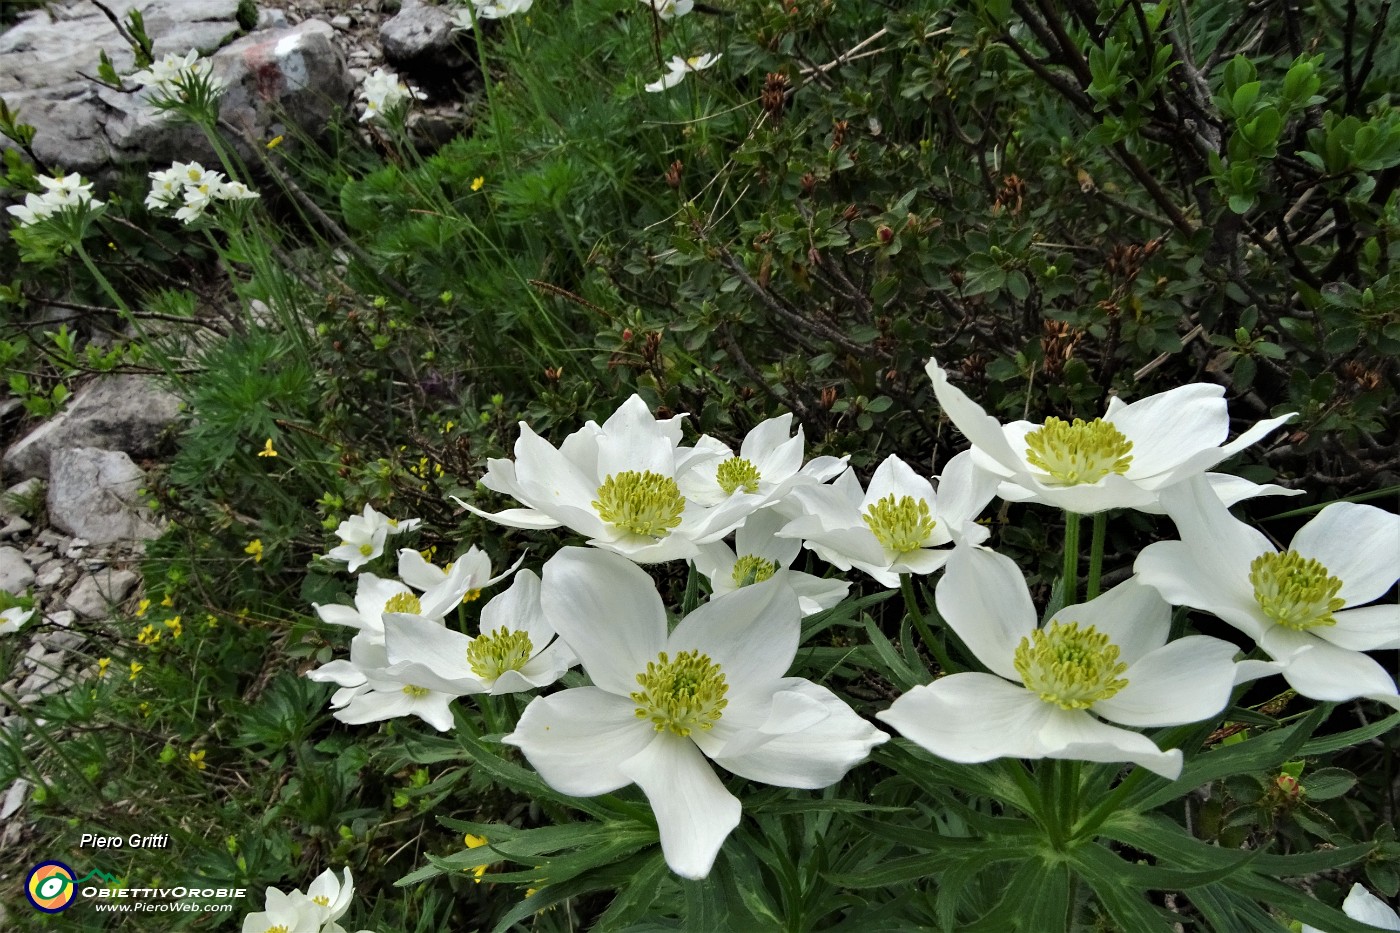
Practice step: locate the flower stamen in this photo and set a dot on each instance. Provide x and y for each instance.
(1081, 453)
(415, 691)
(643, 503)
(404, 602)
(682, 695)
(1071, 667)
(902, 524)
(492, 654)
(738, 473)
(1295, 591)
(753, 569)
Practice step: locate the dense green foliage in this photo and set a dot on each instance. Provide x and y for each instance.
(1061, 202)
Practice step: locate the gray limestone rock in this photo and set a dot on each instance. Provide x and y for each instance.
(95, 594)
(15, 573)
(420, 42)
(88, 127)
(127, 413)
(93, 493)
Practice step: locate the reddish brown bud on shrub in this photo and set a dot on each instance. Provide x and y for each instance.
(884, 233)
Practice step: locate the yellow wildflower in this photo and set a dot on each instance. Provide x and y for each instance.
(267, 450)
(168, 601)
(197, 759)
(141, 607)
(176, 629)
(148, 636)
(476, 842)
(255, 548)
(102, 664)
(477, 182)
(136, 668)
(275, 141)
(210, 622)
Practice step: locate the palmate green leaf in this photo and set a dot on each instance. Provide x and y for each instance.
(612, 877)
(1262, 753)
(948, 854)
(1166, 840)
(1228, 912)
(1126, 905)
(1036, 899)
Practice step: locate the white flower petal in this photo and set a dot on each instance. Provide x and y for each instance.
(818, 738)
(1169, 427)
(752, 633)
(970, 718)
(984, 599)
(1133, 615)
(528, 519)
(1364, 906)
(1186, 681)
(1326, 672)
(1077, 736)
(608, 611)
(1360, 544)
(981, 429)
(1174, 569)
(1369, 628)
(694, 813)
(577, 738)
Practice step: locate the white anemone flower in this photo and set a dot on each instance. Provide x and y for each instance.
(283, 913)
(417, 572)
(677, 68)
(372, 689)
(167, 185)
(1122, 460)
(331, 894)
(1051, 687)
(714, 687)
(362, 536)
(669, 9)
(620, 484)
(1364, 906)
(174, 75)
(14, 617)
(1305, 606)
(769, 465)
(374, 597)
(759, 554)
(516, 650)
(382, 92)
(899, 525)
(61, 193)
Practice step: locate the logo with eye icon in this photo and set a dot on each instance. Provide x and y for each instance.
(51, 887)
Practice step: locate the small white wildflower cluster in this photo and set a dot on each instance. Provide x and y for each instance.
(362, 536)
(195, 188)
(61, 193)
(180, 81)
(677, 68)
(318, 910)
(383, 92)
(489, 9)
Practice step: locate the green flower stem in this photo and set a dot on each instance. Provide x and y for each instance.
(1071, 571)
(101, 280)
(1091, 588)
(1069, 777)
(911, 604)
(1088, 826)
(491, 714)
(1046, 772)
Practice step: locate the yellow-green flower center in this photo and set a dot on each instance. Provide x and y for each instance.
(682, 695)
(322, 900)
(416, 692)
(643, 503)
(367, 549)
(753, 569)
(404, 602)
(1295, 591)
(280, 928)
(902, 524)
(1080, 453)
(1071, 667)
(492, 654)
(737, 473)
